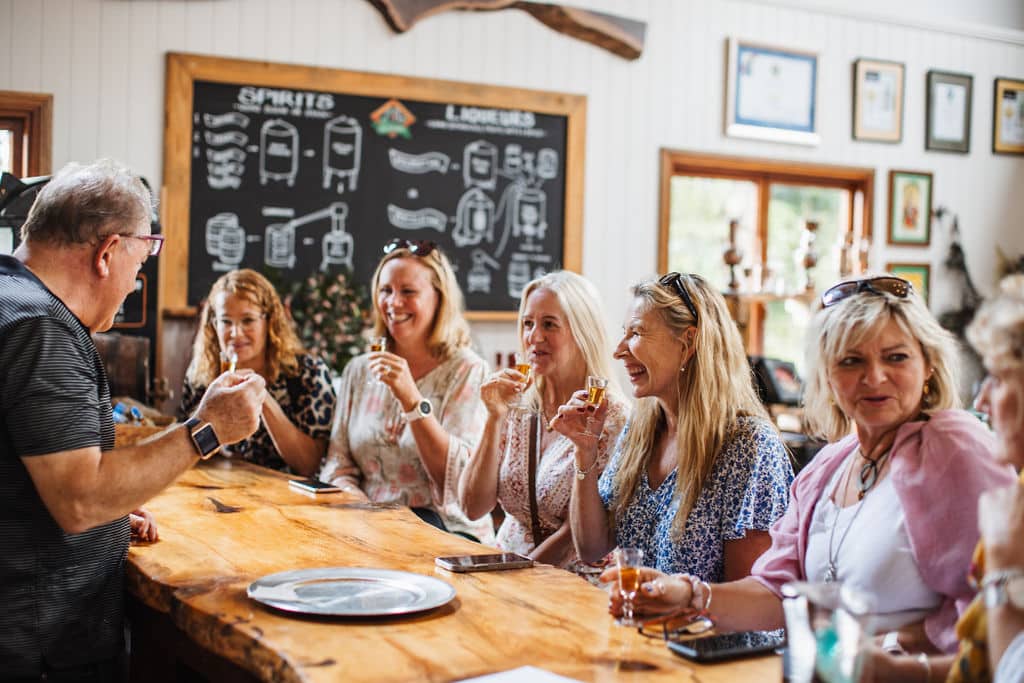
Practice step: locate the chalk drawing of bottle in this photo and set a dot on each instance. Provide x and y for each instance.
(529, 211)
(480, 165)
(279, 151)
(225, 241)
(547, 163)
(474, 219)
(343, 138)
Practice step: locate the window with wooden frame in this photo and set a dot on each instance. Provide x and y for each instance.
(26, 125)
(791, 229)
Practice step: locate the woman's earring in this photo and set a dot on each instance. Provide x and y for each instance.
(682, 369)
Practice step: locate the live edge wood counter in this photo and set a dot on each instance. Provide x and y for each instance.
(225, 524)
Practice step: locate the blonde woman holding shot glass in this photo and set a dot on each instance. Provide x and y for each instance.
(409, 415)
(699, 474)
(562, 334)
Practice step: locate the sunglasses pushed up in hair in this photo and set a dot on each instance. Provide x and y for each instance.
(675, 280)
(415, 247)
(885, 284)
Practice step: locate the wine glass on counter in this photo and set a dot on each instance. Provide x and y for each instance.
(628, 561)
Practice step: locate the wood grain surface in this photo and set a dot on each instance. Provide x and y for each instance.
(225, 524)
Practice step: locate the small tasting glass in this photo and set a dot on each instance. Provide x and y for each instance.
(523, 367)
(228, 360)
(596, 387)
(629, 561)
(377, 344)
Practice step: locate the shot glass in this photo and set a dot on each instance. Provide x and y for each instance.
(596, 387)
(377, 344)
(228, 360)
(522, 365)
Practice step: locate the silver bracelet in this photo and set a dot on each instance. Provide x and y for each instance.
(581, 474)
(923, 659)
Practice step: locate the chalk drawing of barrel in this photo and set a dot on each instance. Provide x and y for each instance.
(225, 239)
(279, 249)
(343, 138)
(279, 151)
(480, 165)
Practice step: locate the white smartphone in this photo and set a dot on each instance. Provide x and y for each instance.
(313, 486)
(483, 563)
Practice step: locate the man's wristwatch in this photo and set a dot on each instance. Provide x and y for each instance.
(1004, 586)
(419, 411)
(203, 437)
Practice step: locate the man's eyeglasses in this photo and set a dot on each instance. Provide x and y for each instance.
(246, 324)
(415, 247)
(676, 280)
(885, 284)
(156, 242)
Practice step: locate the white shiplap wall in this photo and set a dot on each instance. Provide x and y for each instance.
(103, 62)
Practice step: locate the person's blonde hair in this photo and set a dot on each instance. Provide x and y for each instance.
(997, 331)
(283, 346)
(714, 390)
(581, 306)
(837, 328)
(449, 331)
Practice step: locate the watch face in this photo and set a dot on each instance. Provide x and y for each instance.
(425, 407)
(206, 439)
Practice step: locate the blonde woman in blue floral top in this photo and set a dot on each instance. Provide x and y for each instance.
(409, 416)
(244, 316)
(699, 474)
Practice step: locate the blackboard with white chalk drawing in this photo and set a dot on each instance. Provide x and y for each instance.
(297, 179)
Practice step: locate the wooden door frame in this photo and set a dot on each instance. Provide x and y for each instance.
(35, 111)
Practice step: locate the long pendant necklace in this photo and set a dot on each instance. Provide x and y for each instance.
(864, 484)
(869, 472)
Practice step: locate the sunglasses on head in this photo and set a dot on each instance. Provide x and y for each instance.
(414, 247)
(675, 280)
(885, 284)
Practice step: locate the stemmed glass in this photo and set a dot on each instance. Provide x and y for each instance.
(596, 386)
(523, 367)
(228, 360)
(629, 561)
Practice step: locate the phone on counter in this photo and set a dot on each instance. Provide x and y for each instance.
(313, 486)
(483, 563)
(728, 646)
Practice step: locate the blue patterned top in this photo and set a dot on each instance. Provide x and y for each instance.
(748, 488)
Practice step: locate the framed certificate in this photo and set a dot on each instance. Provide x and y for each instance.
(948, 122)
(771, 93)
(1008, 115)
(877, 100)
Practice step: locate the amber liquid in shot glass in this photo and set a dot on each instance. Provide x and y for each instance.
(228, 361)
(596, 388)
(629, 561)
(523, 367)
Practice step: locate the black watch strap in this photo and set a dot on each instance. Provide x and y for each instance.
(204, 438)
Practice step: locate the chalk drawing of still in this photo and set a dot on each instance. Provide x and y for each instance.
(343, 138)
(337, 244)
(279, 152)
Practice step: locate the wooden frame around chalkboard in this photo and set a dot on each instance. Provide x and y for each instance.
(184, 69)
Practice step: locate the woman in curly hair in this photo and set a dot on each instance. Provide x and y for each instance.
(244, 324)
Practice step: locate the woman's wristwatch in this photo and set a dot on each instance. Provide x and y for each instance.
(1004, 586)
(422, 409)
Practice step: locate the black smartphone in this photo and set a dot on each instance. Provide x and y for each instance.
(728, 646)
(313, 486)
(483, 563)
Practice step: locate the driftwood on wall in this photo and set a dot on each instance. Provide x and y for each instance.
(622, 36)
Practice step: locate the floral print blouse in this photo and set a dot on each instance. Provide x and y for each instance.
(555, 474)
(748, 488)
(372, 445)
(307, 399)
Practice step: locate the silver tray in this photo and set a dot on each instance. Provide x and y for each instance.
(350, 591)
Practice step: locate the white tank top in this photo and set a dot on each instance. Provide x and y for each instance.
(875, 555)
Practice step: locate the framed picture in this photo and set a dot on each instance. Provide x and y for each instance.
(910, 208)
(948, 118)
(917, 274)
(1008, 112)
(771, 93)
(877, 100)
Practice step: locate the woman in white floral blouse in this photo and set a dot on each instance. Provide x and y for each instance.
(562, 334)
(409, 416)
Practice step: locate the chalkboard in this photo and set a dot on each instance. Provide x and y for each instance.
(295, 170)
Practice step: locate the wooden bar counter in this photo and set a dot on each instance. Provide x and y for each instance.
(225, 524)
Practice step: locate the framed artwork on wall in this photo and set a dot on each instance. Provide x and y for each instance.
(877, 100)
(1008, 115)
(948, 117)
(771, 93)
(917, 274)
(910, 208)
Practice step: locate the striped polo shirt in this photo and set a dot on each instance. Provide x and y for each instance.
(61, 593)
